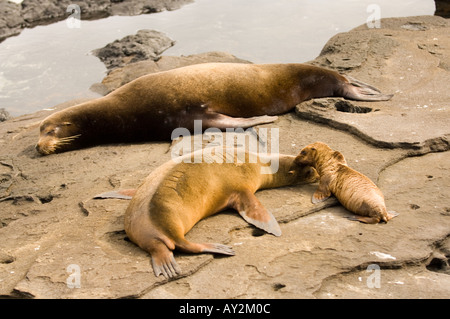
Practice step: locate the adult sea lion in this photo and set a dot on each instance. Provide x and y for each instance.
(222, 95)
(355, 191)
(175, 196)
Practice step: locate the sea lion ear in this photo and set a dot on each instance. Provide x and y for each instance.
(338, 156)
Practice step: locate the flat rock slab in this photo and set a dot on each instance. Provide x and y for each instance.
(57, 242)
(408, 57)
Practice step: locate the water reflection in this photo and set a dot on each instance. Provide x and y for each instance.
(51, 64)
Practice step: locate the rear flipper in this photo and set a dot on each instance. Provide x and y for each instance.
(360, 91)
(119, 194)
(251, 209)
(218, 249)
(196, 248)
(364, 219)
(168, 267)
(163, 262)
(373, 220)
(391, 214)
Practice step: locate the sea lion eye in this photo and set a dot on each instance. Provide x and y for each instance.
(303, 152)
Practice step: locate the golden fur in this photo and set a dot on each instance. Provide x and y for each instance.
(355, 191)
(174, 197)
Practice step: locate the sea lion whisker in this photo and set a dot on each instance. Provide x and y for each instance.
(61, 144)
(63, 141)
(69, 138)
(48, 150)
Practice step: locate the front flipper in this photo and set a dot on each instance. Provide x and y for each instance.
(221, 121)
(322, 192)
(251, 209)
(319, 197)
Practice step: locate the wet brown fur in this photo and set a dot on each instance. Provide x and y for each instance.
(222, 95)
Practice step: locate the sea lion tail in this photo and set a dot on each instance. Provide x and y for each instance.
(360, 91)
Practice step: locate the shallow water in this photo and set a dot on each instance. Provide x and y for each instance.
(51, 64)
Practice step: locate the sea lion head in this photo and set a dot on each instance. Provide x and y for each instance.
(308, 174)
(302, 173)
(306, 156)
(311, 153)
(56, 136)
(319, 155)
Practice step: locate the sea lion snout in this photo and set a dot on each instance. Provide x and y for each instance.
(38, 148)
(55, 138)
(45, 145)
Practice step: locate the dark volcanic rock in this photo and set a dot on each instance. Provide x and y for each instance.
(4, 115)
(11, 21)
(442, 8)
(15, 17)
(146, 44)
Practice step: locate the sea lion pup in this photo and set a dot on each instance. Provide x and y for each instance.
(222, 95)
(356, 192)
(175, 196)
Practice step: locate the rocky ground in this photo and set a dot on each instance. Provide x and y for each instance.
(59, 243)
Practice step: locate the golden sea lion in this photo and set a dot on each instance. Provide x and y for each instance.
(175, 196)
(353, 190)
(221, 95)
